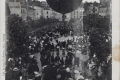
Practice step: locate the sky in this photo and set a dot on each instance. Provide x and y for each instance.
(83, 0)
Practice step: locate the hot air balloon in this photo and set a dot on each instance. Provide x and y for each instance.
(64, 6)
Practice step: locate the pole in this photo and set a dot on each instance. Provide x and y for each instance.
(27, 8)
(63, 19)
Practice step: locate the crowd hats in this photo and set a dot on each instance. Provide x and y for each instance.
(15, 69)
(31, 56)
(58, 76)
(10, 59)
(68, 69)
(76, 71)
(70, 79)
(37, 74)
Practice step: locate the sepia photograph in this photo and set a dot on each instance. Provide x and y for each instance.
(58, 40)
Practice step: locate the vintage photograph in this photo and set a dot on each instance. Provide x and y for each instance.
(58, 40)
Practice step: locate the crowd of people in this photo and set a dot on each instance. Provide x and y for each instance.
(59, 58)
(55, 55)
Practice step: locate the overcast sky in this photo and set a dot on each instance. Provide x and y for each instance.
(83, 0)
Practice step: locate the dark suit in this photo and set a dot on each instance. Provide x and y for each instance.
(57, 58)
(52, 59)
(47, 73)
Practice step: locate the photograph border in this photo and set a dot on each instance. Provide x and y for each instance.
(115, 39)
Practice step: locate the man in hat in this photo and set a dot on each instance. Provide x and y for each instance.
(63, 60)
(64, 44)
(68, 74)
(57, 58)
(16, 74)
(30, 71)
(52, 47)
(61, 74)
(37, 76)
(47, 72)
(24, 72)
(52, 58)
(54, 71)
(68, 61)
(78, 75)
(70, 54)
(45, 60)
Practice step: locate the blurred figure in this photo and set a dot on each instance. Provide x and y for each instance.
(16, 74)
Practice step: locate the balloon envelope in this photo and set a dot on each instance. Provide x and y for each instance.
(64, 6)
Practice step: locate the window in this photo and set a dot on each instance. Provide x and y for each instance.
(11, 0)
(21, 11)
(65, 16)
(17, 0)
(47, 12)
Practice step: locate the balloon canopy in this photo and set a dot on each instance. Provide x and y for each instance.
(64, 6)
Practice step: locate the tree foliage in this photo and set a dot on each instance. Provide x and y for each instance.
(98, 29)
(16, 36)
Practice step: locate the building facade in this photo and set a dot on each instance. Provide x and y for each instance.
(31, 13)
(91, 8)
(44, 4)
(77, 13)
(23, 9)
(24, 13)
(18, 7)
(102, 11)
(56, 15)
(15, 8)
(47, 13)
(38, 12)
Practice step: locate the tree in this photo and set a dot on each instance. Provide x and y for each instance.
(17, 36)
(98, 28)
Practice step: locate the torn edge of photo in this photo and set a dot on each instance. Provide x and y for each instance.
(60, 40)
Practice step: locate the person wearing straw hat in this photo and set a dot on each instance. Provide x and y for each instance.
(37, 76)
(78, 75)
(57, 58)
(68, 74)
(16, 75)
(61, 74)
(47, 75)
(58, 77)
